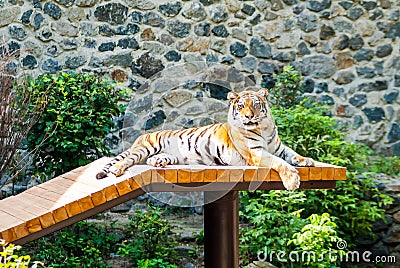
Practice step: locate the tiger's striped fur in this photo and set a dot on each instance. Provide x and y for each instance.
(250, 137)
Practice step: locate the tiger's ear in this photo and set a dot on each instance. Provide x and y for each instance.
(263, 92)
(232, 96)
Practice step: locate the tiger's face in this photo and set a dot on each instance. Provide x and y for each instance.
(248, 107)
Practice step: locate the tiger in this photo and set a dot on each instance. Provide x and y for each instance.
(249, 137)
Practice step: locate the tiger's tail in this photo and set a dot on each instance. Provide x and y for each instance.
(106, 169)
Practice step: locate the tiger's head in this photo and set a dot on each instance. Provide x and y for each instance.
(248, 108)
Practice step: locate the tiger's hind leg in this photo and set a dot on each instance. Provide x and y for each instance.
(161, 160)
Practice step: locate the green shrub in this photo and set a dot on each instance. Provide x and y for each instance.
(8, 257)
(316, 243)
(146, 240)
(150, 239)
(81, 245)
(288, 90)
(77, 117)
(155, 263)
(381, 164)
(271, 218)
(307, 130)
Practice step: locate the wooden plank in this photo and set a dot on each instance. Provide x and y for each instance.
(36, 205)
(171, 174)
(111, 193)
(275, 175)
(98, 198)
(133, 182)
(146, 178)
(71, 188)
(222, 175)
(12, 225)
(78, 191)
(34, 214)
(327, 173)
(27, 222)
(56, 197)
(8, 235)
(210, 174)
(303, 173)
(340, 174)
(106, 185)
(263, 174)
(157, 175)
(20, 230)
(46, 208)
(123, 187)
(197, 174)
(250, 174)
(236, 175)
(321, 164)
(73, 206)
(68, 185)
(71, 193)
(85, 203)
(315, 173)
(7, 225)
(184, 175)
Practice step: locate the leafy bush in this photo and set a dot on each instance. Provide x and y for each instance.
(146, 240)
(388, 165)
(288, 90)
(77, 117)
(81, 245)
(155, 263)
(8, 257)
(150, 242)
(316, 242)
(310, 132)
(272, 218)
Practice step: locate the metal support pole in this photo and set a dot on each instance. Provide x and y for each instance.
(221, 230)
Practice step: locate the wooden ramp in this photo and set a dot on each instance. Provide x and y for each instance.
(77, 195)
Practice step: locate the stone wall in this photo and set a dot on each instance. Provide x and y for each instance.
(348, 51)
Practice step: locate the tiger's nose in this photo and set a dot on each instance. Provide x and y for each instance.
(249, 115)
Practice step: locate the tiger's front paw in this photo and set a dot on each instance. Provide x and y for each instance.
(157, 161)
(290, 177)
(302, 161)
(117, 169)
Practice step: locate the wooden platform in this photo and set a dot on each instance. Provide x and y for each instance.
(77, 195)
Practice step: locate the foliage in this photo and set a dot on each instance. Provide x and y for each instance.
(155, 263)
(288, 90)
(309, 131)
(81, 245)
(145, 240)
(77, 117)
(318, 238)
(387, 165)
(150, 239)
(8, 257)
(272, 218)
